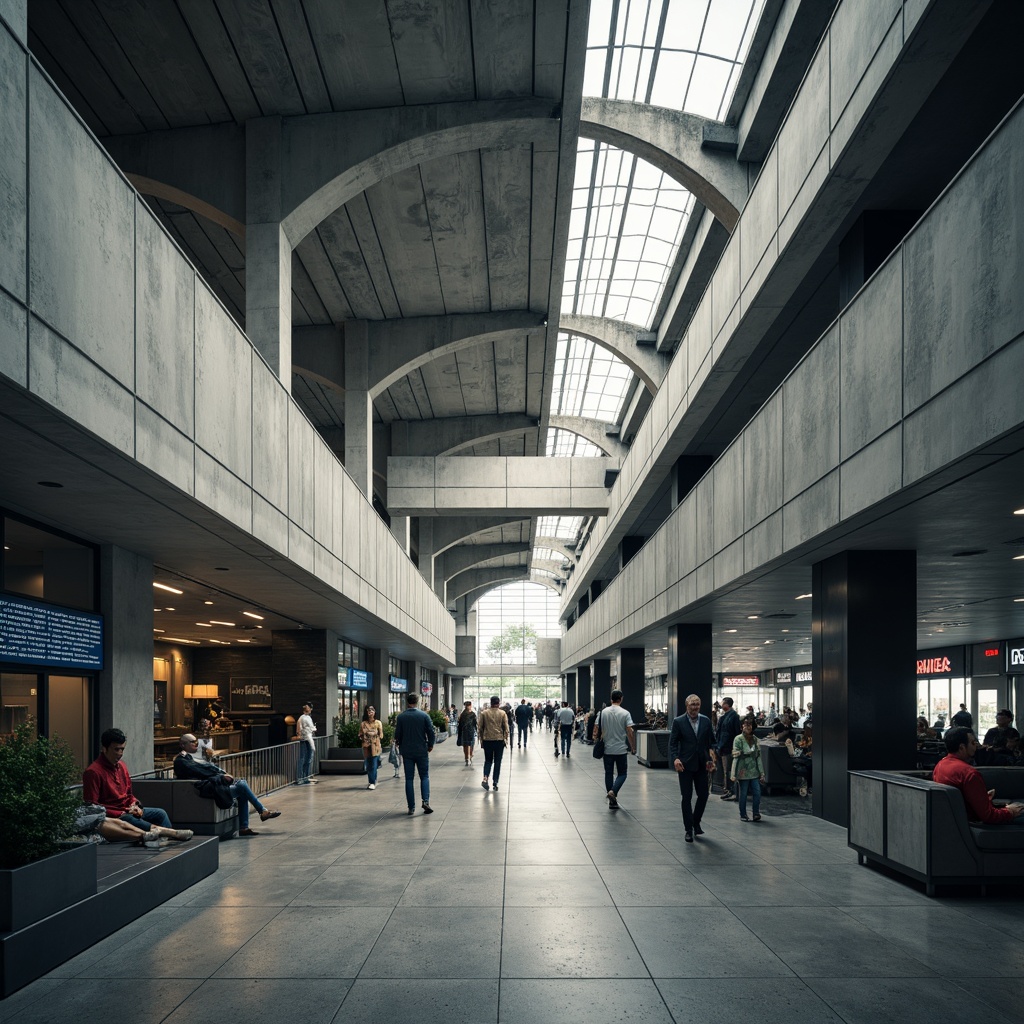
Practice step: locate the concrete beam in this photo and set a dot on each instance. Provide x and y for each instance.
(555, 544)
(595, 431)
(635, 411)
(452, 434)
(487, 579)
(672, 141)
(515, 486)
(620, 338)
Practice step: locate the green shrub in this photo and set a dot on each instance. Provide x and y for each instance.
(348, 733)
(36, 807)
(440, 720)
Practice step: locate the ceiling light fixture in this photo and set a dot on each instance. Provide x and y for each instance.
(753, 616)
(253, 615)
(204, 624)
(217, 622)
(179, 640)
(1018, 558)
(802, 597)
(155, 630)
(170, 590)
(207, 602)
(732, 631)
(1018, 511)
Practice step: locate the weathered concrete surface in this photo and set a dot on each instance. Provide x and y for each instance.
(481, 579)
(595, 431)
(620, 338)
(671, 140)
(509, 486)
(13, 154)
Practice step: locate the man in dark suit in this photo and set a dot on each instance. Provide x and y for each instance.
(690, 751)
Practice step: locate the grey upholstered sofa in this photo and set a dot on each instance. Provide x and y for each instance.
(186, 808)
(915, 826)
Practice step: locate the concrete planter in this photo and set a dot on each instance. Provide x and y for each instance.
(37, 890)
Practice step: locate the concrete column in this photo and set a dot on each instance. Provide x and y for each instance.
(124, 692)
(689, 666)
(458, 691)
(631, 679)
(569, 684)
(425, 551)
(358, 408)
(377, 663)
(268, 252)
(584, 684)
(602, 682)
(864, 643)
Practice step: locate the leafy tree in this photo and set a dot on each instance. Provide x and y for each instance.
(517, 639)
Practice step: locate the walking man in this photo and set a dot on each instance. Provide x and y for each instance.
(616, 729)
(524, 719)
(494, 735)
(690, 751)
(728, 730)
(566, 716)
(414, 736)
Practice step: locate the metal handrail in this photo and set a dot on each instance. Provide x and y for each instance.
(265, 769)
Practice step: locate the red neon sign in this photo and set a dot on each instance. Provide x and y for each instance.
(991, 652)
(932, 666)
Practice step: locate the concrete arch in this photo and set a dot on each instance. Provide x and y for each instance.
(449, 531)
(161, 190)
(619, 337)
(333, 157)
(475, 579)
(555, 545)
(591, 430)
(470, 556)
(401, 346)
(673, 142)
(473, 596)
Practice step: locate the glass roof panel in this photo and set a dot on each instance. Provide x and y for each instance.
(589, 380)
(628, 218)
(564, 444)
(560, 527)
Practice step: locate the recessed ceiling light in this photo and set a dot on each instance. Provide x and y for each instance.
(205, 624)
(207, 602)
(1018, 511)
(158, 609)
(217, 622)
(170, 590)
(158, 630)
(753, 616)
(179, 640)
(253, 615)
(732, 631)
(802, 597)
(1017, 600)
(1018, 558)
(785, 631)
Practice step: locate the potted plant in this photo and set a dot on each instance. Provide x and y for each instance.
(39, 873)
(440, 720)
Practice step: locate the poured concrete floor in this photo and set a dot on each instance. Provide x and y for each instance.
(536, 904)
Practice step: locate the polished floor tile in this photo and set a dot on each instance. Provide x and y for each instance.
(538, 904)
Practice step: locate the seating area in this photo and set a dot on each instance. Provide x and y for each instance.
(186, 808)
(907, 822)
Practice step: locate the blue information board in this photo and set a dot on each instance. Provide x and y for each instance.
(398, 685)
(34, 633)
(360, 679)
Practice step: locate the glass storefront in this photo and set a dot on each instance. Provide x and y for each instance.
(352, 699)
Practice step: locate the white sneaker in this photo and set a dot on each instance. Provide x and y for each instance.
(372, 785)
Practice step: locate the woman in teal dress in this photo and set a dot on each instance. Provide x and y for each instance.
(747, 769)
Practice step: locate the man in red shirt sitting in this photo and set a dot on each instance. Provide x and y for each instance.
(106, 781)
(955, 769)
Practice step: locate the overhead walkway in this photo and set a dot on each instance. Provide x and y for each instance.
(534, 904)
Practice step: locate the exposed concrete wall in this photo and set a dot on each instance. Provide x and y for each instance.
(127, 342)
(15, 13)
(498, 485)
(875, 66)
(919, 372)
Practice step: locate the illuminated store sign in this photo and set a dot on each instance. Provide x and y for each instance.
(34, 633)
(783, 676)
(398, 685)
(741, 680)
(933, 666)
(948, 661)
(804, 675)
(360, 679)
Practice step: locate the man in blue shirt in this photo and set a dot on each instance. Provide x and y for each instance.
(414, 737)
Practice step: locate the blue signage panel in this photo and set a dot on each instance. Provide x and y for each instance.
(360, 679)
(398, 685)
(34, 633)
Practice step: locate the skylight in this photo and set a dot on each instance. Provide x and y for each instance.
(559, 527)
(564, 443)
(589, 380)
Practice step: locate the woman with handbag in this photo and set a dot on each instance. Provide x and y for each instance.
(747, 769)
(371, 735)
